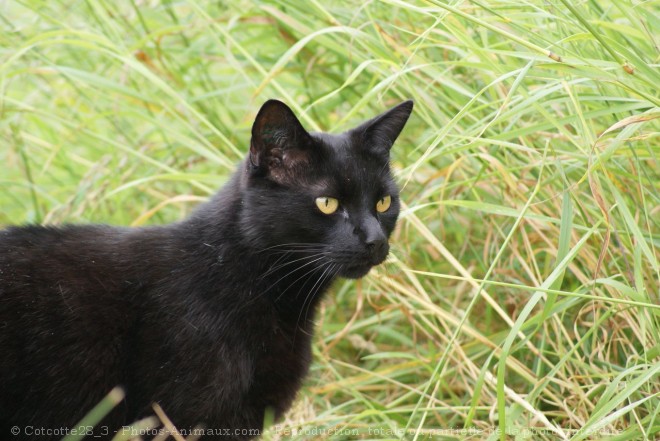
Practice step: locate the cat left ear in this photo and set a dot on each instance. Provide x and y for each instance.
(279, 142)
(378, 134)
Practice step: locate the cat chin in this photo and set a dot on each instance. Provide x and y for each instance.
(355, 272)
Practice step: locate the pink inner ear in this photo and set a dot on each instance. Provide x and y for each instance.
(274, 163)
(292, 158)
(289, 167)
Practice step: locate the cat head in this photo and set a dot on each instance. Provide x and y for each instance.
(329, 200)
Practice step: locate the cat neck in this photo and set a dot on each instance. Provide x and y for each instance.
(270, 276)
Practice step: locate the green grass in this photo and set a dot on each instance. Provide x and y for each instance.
(521, 300)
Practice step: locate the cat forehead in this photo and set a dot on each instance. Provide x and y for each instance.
(343, 166)
(345, 149)
(334, 144)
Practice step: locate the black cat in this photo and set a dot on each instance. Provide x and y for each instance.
(210, 317)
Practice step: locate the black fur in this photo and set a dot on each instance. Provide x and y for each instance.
(211, 317)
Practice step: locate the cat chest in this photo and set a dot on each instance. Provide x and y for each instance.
(281, 363)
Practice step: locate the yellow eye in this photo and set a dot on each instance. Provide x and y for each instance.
(327, 205)
(384, 204)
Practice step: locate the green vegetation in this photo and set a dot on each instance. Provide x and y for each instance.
(522, 293)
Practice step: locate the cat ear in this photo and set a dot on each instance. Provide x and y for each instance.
(279, 142)
(378, 134)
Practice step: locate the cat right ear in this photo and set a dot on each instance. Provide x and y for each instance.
(378, 134)
(279, 142)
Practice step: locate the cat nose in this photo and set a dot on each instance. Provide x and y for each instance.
(378, 249)
(374, 239)
(376, 244)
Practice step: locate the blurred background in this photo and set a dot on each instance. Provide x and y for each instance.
(521, 298)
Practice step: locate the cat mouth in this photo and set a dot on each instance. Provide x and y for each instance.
(355, 271)
(359, 270)
(352, 270)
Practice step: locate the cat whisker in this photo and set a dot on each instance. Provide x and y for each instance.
(299, 245)
(294, 282)
(274, 263)
(265, 291)
(327, 274)
(307, 250)
(275, 267)
(290, 273)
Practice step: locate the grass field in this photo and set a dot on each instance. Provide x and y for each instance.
(521, 300)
